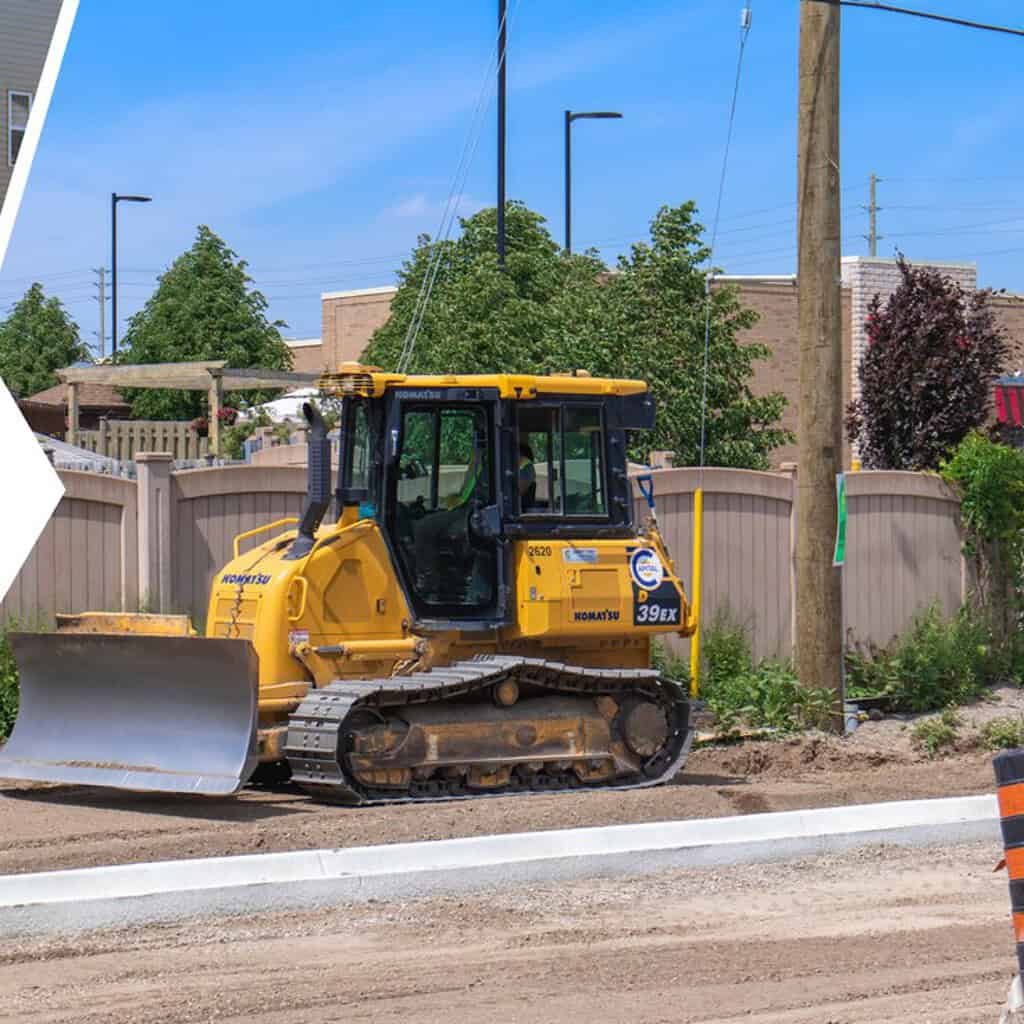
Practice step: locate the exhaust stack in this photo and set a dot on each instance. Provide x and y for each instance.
(318, 490)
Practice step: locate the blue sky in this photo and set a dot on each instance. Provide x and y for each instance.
(319, 138)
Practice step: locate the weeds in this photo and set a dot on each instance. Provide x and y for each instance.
(762, 695)
(1003, 734)
(937, 662)
(8, 687)
(668, 663)
(40, 623)
(933, 735)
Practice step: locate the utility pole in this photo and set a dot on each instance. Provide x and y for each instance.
(819, 625)
(101, 287)
(502, 40)
(873, 208)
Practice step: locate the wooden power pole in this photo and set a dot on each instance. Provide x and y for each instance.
(819, 626)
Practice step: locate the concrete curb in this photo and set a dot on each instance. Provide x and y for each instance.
(137, 893)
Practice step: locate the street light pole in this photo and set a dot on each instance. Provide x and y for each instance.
(114, 200)
(502, 75)
(571, 116)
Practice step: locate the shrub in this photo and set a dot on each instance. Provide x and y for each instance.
(725, 652)
(926, 371)
(765, 695)
(1003, 733)
(989, 478)
(8, 687)
(937, 662)
(935, 734)
(668, 663)
(234, 437)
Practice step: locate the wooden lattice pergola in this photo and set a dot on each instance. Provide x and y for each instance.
(213, 377)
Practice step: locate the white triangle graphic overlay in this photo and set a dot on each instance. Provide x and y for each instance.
(29, 490)
(11, 203)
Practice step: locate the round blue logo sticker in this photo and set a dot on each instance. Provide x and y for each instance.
(646, 569)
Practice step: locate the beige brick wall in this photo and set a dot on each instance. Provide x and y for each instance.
(1009, 311)
(26, 27)
(349, 320)
(867, 276)
(775, 302)
(307, 358)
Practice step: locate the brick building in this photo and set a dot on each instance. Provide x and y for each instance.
(26, 28)
(350, 318)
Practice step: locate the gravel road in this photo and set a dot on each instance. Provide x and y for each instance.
(881, 934)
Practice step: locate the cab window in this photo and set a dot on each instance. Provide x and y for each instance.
(584, 465)
(561, 461)
(357, 473)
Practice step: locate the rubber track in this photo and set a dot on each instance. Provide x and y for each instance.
(315, 727)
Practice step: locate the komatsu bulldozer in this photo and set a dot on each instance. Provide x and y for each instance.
(476, 619)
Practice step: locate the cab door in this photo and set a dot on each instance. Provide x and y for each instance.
(443, 519)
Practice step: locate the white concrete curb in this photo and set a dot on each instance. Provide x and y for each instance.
(93, 897)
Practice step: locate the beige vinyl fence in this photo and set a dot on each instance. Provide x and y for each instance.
(903, 549)
(121, 439)
(86, 556)
(210, 507)
(114, 544)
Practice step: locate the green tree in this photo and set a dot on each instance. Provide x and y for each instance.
(548, 311)
(36, 339)
(203, 309)
(649, 323)
(479, 318)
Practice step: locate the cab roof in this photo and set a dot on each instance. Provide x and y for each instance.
(371, 382)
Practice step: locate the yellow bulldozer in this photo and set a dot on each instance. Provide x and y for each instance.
(477, 619)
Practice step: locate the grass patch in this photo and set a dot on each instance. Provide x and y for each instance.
(935, 663)
(762, 695)
(1003, 734)
(933, 735)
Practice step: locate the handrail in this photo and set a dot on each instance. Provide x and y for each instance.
(262, 529)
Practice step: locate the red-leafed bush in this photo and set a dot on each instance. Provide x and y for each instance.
(926, 374)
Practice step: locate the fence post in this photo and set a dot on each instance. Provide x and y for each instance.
(154, 473)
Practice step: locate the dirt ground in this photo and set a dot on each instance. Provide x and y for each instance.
(877, 935)
(48, 827)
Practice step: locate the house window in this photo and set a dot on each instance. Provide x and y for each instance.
(18, 106)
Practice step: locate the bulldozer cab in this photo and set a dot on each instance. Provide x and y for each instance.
(453, 474)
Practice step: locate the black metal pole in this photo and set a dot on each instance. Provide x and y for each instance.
(501, 130)
(113, 273)
(568, 181)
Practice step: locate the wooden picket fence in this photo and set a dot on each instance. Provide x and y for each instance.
(121, 439)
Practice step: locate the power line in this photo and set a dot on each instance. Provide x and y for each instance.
(745, 22)
(871, 5)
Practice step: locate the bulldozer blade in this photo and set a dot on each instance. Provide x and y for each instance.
(164, 713)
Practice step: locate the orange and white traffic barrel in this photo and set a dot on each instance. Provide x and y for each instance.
(1009, 769)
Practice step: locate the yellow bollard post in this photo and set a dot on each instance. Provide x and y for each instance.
(698, 551)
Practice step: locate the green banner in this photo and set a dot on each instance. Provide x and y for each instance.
(840, 556)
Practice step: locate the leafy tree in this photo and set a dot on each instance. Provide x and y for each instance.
(926, 373)
(548, 311)
(36, 339)
(202, 309)
(479, 318)
(653, 313)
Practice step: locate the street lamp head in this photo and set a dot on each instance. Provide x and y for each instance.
(132, 199)
(573, 116)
